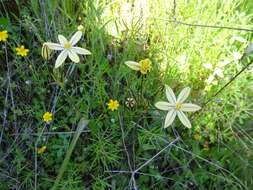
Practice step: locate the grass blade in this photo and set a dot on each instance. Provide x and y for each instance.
(81, 125)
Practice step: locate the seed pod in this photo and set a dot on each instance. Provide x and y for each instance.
(130, 102)
(46, 52)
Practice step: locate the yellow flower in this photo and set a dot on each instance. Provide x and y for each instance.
(113, 105)
(47, 117)
(42, 149)
(3, 36)
(144, 66)
(22, 51)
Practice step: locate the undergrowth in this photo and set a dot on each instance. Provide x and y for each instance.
(117, 148)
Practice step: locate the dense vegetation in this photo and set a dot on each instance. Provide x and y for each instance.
(95, 124)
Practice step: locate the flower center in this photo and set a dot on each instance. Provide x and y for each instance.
(145, 66)
(178, 106)
(67, 45)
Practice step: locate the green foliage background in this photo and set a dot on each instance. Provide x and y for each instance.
(215, 154)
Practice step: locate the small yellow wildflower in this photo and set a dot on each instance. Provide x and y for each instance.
(47, 117)
(113, 105)
(145, 66)
(42, 149)
(3, 36)
(22, 51)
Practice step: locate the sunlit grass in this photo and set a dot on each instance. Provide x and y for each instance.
(214, 154)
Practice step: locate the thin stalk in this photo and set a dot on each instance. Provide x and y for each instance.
(81, 125)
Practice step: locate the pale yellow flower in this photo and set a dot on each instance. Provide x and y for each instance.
(144, 66)
(68, 49)
(177, 107)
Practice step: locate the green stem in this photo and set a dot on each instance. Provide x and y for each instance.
(81, 125)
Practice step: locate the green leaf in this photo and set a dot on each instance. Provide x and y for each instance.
(4, 22)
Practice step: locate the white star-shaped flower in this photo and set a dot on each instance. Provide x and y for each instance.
(68, 48)
(177, 107)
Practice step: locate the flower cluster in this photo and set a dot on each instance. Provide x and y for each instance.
(174, 106)
(21, 50)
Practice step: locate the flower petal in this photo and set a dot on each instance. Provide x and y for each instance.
(81, 51)
(208, 66)
(61, 58)
(73, 56)
(170, 118)
(190, 107)
(183, 118)
(183, 95)
(133, 65)
(219, 72)
(75, 38)
(170, 94)
(210, 79)
(164, 105)
(54, 46)
(62, 40)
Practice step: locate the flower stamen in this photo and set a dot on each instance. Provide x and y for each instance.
(178, 106)
(145, 66)
(67, 45)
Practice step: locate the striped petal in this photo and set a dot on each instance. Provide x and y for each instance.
(54, 46)
(165, 106)
(62, 40)
(183, 118)
(81, 51)
(183, 95)
(170, 94)
(61, 58)
(75, 38)
(133, 65)
(73, 56)
(170, 118)
(190, 107)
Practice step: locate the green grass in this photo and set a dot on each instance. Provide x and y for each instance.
(216, 153)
